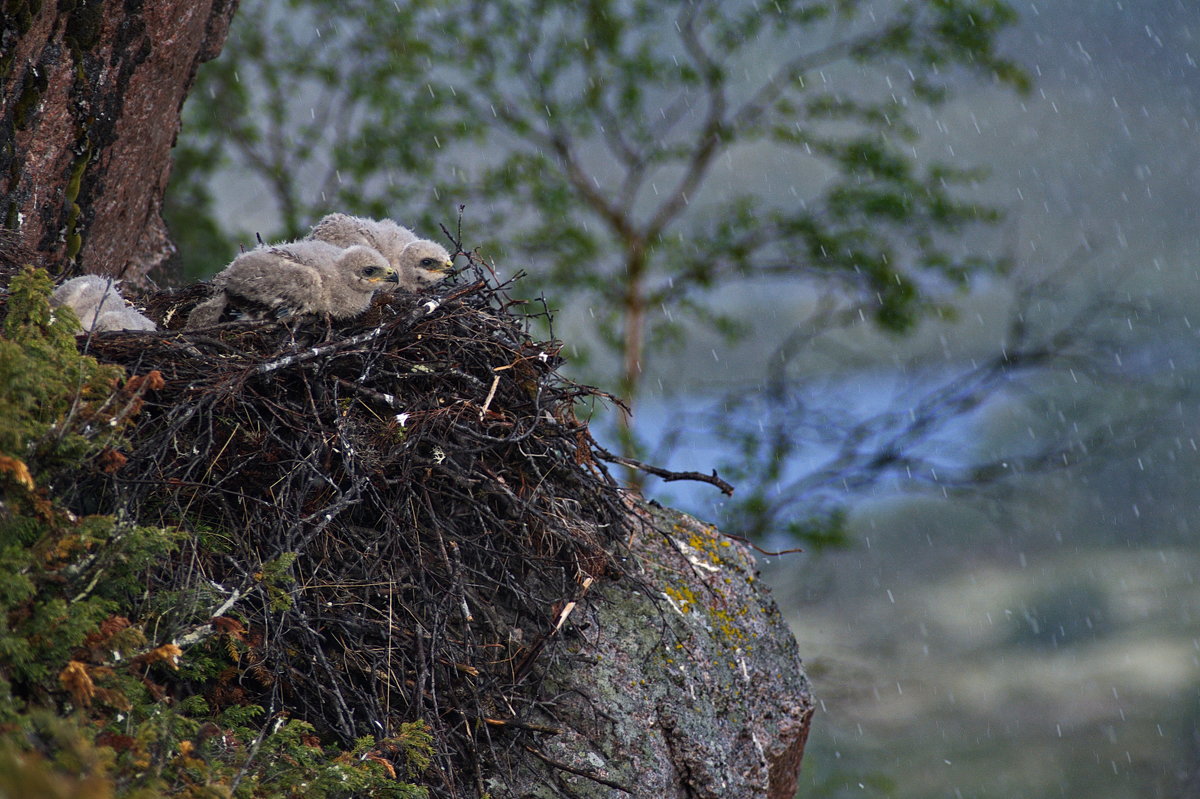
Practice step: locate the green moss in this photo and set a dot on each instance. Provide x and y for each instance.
(26, 104)
(35, 83)
(71, 195)
(74, 240)
(85, 19)
(78, 166)
(19, 14)
(15, 21)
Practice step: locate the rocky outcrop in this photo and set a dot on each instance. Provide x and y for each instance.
(682, 681)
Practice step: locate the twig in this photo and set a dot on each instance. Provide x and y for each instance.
(253, 753)
(527, 662)
(522, 725)
(487, 403)
(412, 551)
(665, 474)
(204, 630)
(757, 548)
(558, 764)
(387, 399)
(320, 352)
(346, 343)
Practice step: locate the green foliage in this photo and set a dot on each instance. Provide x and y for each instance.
(595, 141)
(759, 468)
(203, 246)
(292, 758)
(173, 751)
(76, 769)
(414, 742)
(84, 701)
(590, 136)
(56, 407)
(276, 577)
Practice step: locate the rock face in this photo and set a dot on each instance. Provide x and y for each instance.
(688, 685)
(90, 95)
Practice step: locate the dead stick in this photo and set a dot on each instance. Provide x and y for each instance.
(581, 772)
(491, 395)
(524, 725)
(667, 475)
(769, 553)
(371, 393)
(526, 664)
(317, 352)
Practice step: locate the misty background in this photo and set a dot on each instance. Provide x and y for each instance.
(1041, 638)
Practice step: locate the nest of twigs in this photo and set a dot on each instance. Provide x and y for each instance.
(395, 509)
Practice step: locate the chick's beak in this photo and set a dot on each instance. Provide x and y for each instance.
(446, 267)
(392, 278)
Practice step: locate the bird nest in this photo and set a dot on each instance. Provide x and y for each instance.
(394, 515)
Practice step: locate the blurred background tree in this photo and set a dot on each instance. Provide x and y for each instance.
(639, 159)
(1007, 367)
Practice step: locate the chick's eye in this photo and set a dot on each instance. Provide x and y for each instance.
(426, 262)
(372, 271)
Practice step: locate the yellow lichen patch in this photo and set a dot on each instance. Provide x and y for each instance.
(706, 539)
(715, 559)
(726, 624)
(685, 598)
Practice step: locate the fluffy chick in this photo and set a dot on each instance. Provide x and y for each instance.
(98, 305)
(384, 235)
(418, 262)
(422, 263)
(303, 277)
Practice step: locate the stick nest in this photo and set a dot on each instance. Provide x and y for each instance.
(395, 509)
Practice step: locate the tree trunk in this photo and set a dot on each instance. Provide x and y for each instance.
(89, 110)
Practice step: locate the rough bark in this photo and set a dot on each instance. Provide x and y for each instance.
(689, 688)
(90, 95)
